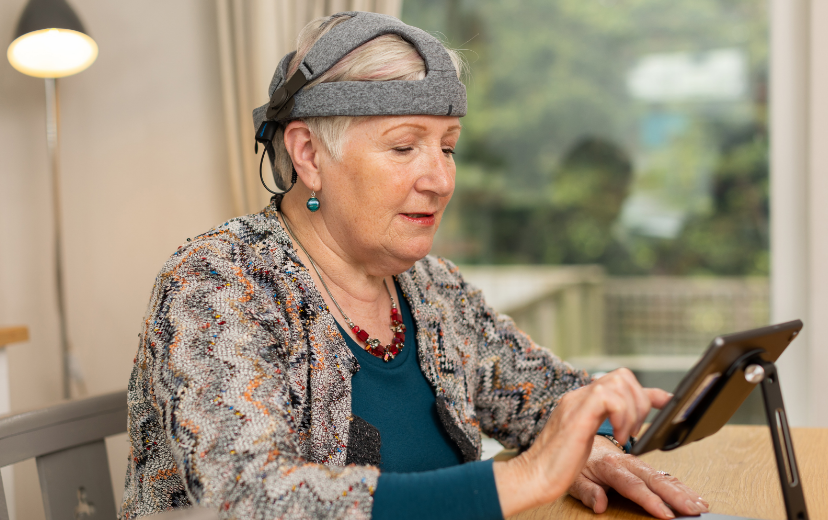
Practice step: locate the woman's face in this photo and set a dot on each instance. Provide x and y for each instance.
(384, 200)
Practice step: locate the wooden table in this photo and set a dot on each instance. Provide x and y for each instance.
(734, 470)
(8, 335)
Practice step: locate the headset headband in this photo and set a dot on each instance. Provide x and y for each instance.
(439, 93)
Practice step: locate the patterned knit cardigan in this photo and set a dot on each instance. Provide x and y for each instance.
(240, 395)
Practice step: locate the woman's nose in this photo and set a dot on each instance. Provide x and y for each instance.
(438, 175)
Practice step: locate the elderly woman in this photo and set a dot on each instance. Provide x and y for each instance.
(312, 361)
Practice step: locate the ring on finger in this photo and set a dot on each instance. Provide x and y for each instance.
(664, 473)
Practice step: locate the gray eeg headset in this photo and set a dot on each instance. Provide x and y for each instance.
(439, 93)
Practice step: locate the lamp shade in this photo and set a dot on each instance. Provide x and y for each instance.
(50, 41)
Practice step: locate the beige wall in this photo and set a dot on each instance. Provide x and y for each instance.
(818, 210)
(799, 214)
(143, 157)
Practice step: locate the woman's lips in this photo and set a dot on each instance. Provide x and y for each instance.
(424, 219)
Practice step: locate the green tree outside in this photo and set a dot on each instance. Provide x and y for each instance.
(557, 156)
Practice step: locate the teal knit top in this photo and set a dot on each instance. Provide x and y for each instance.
(422, 471)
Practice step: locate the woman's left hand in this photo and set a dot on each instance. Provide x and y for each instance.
(608, 467)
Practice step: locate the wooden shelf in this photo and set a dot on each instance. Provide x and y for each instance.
(9, 335)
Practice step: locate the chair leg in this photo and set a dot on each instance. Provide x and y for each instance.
(89, 494)
(4, 509)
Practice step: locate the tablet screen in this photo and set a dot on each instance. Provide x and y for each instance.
(715, 387)
(698, 395)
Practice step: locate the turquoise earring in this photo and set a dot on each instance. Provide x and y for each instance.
(313, 202)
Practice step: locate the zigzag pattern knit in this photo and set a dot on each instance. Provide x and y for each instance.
(240, 396)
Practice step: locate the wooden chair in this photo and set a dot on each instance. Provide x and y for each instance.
(67, 441)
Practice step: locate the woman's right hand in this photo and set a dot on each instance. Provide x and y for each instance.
(546, 470)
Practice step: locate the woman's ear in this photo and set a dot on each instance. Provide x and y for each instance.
(304, 152)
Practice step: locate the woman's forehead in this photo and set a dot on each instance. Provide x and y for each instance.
(388, 125)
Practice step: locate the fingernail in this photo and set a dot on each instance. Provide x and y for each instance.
(703, 501)
(667, 511)
(703, 506)
(692, 507)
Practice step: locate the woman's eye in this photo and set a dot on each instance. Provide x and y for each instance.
(448, 151)
(403, 149)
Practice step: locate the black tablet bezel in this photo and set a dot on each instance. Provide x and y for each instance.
(727, 356)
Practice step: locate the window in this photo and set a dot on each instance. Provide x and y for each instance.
(612, 176)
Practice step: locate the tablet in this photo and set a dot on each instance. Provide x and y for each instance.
(715, 387)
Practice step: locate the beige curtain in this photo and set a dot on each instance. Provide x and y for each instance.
(253, 37)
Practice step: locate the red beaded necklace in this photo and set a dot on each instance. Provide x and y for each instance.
(372, 345)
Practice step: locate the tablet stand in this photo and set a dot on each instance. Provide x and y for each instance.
(756, 370)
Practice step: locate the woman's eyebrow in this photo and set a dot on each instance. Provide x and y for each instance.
(412, 125)
(451, 129)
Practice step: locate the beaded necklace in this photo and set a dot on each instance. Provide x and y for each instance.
(372, 345)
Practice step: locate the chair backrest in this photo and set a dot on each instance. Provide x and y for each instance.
(67, 442)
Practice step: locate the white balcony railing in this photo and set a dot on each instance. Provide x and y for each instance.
(643, 323)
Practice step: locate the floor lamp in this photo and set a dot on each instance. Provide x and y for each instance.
(50, 42)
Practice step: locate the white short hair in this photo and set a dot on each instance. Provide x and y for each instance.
(385, 58)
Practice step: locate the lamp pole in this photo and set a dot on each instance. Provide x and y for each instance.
(50, 42)
(53, 141)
